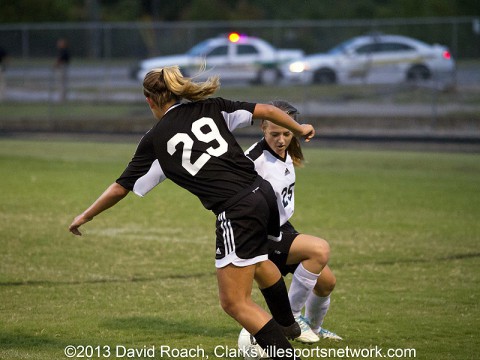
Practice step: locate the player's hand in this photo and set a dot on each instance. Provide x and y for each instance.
(308, 132)
(77, 222)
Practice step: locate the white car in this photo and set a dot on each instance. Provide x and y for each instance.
(374, 58)
(232, 57)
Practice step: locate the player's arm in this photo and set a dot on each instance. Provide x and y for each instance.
(279, 117)
(109, 198)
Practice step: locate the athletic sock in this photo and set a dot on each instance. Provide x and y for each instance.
(301, 287)
(315, 310)
(271, 339)
(276, 297)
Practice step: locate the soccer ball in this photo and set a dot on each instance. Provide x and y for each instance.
(249, 348)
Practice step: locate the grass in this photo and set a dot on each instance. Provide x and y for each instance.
(403, 227)
(44, 110)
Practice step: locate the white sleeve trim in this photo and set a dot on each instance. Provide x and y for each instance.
(152, 178)
(238, 119)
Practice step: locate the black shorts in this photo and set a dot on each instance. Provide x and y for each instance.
(243, 229)
(278, 251)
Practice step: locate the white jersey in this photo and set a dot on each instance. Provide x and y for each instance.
(279, 172)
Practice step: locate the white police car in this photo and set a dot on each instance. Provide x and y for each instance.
(374, 58)
(233, 57)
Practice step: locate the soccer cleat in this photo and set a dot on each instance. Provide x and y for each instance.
(326, 334)
(291, 332)
(307, 336)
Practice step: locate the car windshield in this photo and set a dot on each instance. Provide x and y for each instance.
(199, 50)
(340, 48)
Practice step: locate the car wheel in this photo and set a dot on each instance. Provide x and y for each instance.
(268, 76)
(324, 76)
(418, 72)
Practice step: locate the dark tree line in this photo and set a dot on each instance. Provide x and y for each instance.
(15, 11)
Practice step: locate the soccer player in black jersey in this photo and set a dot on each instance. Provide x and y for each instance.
(192, 145)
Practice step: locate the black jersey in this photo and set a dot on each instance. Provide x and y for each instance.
(193, 146)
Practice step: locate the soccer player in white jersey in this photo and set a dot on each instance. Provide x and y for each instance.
(192, 145)
(275, 158)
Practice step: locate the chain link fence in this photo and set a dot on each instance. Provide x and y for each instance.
(139, 40)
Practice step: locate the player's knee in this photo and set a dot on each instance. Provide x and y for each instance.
(230, 305)
(325, 288)
(328, 287)
(321, 252)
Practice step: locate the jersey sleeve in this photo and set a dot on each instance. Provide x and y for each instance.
(143, 172)
(237, 114)
(255, 154)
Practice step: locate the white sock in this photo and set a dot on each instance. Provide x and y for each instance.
(302, 285)
(316, 308)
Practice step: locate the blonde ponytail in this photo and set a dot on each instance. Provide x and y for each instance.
(168, 84)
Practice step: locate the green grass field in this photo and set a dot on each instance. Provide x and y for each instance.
(403, 226)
